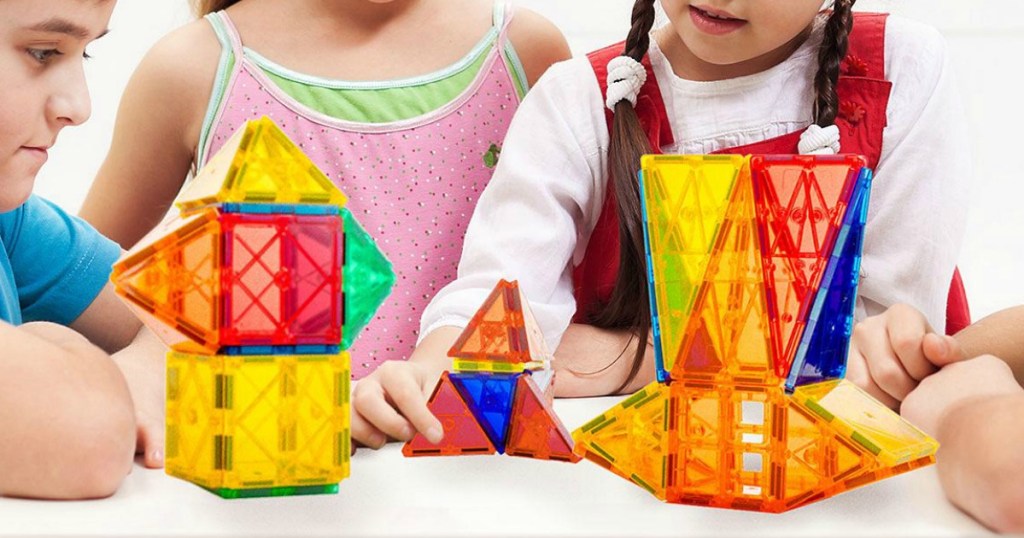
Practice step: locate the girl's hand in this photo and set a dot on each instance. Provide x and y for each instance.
(892, 352)
(392, 401)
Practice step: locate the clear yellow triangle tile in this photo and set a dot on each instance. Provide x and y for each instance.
(259, 164)
(686, 198)
(866, 421)
(630, 439)
(727, 337)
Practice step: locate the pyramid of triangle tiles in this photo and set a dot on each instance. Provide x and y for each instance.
(499, 396)
(259, 284)
(753, 265)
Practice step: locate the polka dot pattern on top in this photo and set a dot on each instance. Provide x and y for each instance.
(412, 184)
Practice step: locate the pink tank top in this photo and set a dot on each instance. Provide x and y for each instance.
(412, 184)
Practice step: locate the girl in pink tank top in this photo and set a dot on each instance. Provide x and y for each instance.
(412, 155)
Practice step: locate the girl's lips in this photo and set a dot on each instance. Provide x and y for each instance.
(714, 22)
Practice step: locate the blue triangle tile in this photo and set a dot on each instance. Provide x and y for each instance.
(490, 398)
(825, 342)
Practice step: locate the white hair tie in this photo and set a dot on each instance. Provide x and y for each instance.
(817, 140)
(625, 78)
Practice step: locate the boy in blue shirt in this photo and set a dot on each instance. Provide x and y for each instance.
(71, 416)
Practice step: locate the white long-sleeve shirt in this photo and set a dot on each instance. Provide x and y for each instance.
(534, 220)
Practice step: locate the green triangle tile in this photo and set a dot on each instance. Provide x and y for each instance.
(367, 279)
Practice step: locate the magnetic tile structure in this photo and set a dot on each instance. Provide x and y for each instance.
(259, 284)
(752, 267)
(499, 397)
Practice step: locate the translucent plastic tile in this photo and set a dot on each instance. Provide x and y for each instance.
(259, 164)
(502, 330)
(282, 282)
(367, 279)
(463, 365)
(685, 201)
(194, 419)
(820, 460)
(489, 396)
(536, 345)
(823, 348)
(775, 282)
(801, 203)
(863, 420)
(630, 439)
(175, 277)
(535, 430)
(252, 426)
(463, 435)
(727, 338)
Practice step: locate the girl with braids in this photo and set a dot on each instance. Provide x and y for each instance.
(404, 104)
(562, 214)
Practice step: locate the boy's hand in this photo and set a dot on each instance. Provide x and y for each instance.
(956, 385)
(143, 367)
(892, 352)
(392, 403)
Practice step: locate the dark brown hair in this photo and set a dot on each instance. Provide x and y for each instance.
(204, 7)
(628, 307)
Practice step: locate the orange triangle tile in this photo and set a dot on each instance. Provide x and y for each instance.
(497, 332)
(536, 432)
(176, 279)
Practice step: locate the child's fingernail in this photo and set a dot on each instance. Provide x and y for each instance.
(434, 435)
(378, 440)
(157, 456)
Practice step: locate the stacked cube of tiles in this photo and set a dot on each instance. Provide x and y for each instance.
(499, 399)
(753, 265)
(258, 285)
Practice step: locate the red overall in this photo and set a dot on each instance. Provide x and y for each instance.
(863, 99)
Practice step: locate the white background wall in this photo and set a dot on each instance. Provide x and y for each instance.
(986, 39)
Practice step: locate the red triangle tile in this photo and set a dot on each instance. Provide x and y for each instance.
(463, 436)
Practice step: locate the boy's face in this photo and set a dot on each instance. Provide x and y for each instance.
(42, 82)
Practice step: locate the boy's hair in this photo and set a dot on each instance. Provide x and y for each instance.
(628, 305)
(204, 7)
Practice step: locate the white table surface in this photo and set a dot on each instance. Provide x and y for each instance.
(388, 495)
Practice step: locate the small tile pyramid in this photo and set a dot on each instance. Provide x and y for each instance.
(503, 380)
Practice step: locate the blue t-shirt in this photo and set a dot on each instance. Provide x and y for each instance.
(52, 265)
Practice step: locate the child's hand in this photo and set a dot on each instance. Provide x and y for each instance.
(143, 367)
(392, 403)
(892, 352)
(956, 385)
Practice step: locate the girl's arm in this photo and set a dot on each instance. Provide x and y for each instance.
(591, 361)
(67, 429)
(918, 206)
(530, 224)
(155, 135)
